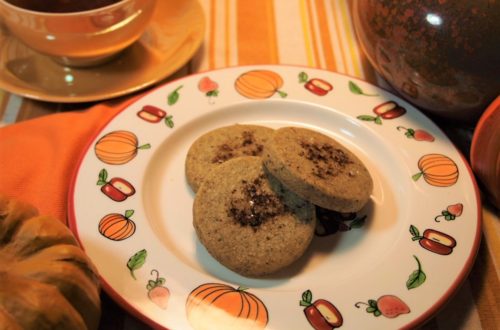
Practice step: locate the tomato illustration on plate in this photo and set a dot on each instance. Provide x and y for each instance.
(157, 292)
(321, 314)
(451, 213)
(416, 134)
(209, 87)
(388, 306)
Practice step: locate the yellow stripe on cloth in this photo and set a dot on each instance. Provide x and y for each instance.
(338, 34)
(307, 35)
(349, 35)
(256, 32)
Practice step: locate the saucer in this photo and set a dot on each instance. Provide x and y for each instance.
(175, 33)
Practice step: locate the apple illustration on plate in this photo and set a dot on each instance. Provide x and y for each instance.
(386, 110)
(151, 114)
(315, 85)
(117, 189)
(321, 314)
(318, 86)
(434, 240)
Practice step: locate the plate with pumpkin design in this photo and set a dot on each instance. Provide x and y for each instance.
(391, 265)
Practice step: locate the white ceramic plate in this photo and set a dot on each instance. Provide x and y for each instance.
(415, 247)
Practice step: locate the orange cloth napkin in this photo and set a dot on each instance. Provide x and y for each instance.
(38, 157)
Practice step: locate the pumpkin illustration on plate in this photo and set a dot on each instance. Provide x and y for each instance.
(118, 147)
(259, 84)
(437, 170)
(117, 227)
(220, 306)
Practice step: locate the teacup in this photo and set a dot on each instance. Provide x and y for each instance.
(84, 37)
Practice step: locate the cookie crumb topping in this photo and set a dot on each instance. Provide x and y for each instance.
(247, 147)
(328, 161)
(253, 206)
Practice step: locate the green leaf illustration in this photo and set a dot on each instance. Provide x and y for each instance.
(306, 298)
(366, 117)
(151, 285)
(417, 176)
(213, 93)
(355, 89)
(414, 231)
(282, 94)
(129, 213)
(417, 277)
(303, 78)
(169, 121)
(103, 177)
(137, 261)
(173, 97)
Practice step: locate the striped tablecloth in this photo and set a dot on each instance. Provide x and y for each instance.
(316, 33)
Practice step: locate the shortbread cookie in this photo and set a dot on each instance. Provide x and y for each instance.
(318, 168)
(217, 146)
(248, 221)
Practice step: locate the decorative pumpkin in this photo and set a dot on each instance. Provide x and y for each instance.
(220, 306)
(118, 147)
(437, 170)
(46, 280)
(259, 84)
(117, 227)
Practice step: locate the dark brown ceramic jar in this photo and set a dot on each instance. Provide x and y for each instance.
(441, 55)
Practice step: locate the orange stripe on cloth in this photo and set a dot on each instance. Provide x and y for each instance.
(227, 34)
(211, 35)
(324, 32)
(256, 32)
(313, 34)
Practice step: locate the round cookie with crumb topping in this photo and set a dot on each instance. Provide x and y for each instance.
(248, 221)
(318, 168)
(217, 146)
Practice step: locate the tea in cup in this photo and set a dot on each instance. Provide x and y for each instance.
(77, 33)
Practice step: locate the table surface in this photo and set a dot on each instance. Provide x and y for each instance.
(317, 34)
